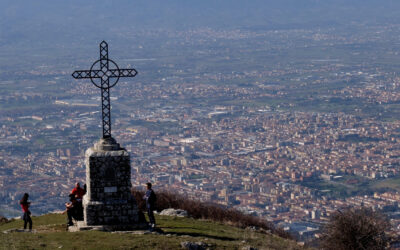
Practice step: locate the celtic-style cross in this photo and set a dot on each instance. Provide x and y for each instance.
(101, 79)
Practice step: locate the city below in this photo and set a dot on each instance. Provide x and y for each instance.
(290, 125)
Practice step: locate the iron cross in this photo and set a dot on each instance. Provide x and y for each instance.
(101, 78)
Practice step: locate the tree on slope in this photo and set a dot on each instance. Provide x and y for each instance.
(354, 228)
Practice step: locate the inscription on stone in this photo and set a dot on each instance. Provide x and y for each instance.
(110, 189)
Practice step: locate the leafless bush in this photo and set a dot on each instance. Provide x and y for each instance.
(214, 212)
(356, 229)
(3, 220)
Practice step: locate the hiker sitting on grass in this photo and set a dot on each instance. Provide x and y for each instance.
(73, 210)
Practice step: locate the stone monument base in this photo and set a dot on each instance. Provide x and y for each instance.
(81, 226)
(108, 204)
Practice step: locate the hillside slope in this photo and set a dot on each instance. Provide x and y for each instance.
(50, 233)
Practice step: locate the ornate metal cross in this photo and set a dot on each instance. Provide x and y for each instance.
(101, 78)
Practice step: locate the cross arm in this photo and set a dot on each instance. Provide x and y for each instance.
(123, 72)
(82, 74)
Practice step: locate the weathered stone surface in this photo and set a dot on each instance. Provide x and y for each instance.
(108, 202)
(14, 230)
(249, 248)
(174, 212)
(81, 226)
(194, 245)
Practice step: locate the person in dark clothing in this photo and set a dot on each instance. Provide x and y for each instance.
(78, 192)
(27, 213)
(72, 209)
(150, 198)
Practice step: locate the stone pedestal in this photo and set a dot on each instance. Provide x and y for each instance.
(108, 203)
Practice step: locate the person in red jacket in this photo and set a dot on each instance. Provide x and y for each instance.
(25, 208)
(78, 192)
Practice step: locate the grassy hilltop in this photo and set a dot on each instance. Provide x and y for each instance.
(50, 233)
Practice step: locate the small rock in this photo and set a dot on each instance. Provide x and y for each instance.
(19, 231)
(194, 245)
(58, 212)
(252, 228)
(265, 231)
(140, 232)
(174, 212)
(249, 248)
(122, 232)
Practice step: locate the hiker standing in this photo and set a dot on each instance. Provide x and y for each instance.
(150, 198)
(25, 208)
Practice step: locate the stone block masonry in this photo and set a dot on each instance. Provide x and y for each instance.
(108, 202)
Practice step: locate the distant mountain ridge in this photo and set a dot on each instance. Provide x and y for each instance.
(46, 22)
(184, 14)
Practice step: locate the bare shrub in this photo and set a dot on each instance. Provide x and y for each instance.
(209, 211)
(3, 220)
(353, 228)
